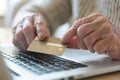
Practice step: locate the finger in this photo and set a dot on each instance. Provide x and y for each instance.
(97, 35)
(88, 19)
(113, 54)
(17, 44)
(86, 33)
(20, 40)
(113, 50)
(19, 36)
(88, 28)
(101, 46)
(81, 44)
(92, 17)
(14, 28)
(80, 34)
(72, 31)
(41, 28)
(28, 29)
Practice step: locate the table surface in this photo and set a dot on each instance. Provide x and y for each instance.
(6, 37)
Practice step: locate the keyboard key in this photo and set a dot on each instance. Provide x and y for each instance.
(40, 63)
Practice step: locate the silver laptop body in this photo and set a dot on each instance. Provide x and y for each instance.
(93, 64)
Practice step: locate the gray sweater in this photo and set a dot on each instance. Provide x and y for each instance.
(57, 12)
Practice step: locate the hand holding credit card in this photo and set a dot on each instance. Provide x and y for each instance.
(50, 45)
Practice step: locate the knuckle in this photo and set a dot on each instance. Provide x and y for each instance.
(27, 30)
(100, 48)
(28, 20)
(76, 23)
(88, 41)
(97, 48)
(80, 32)
(17, 27)
(103, 18)
(105, 28)
(83, 30)
(97, 14)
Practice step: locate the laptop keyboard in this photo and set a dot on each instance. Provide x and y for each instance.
(40, 63)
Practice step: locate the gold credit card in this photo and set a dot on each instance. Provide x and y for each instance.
(50, 45)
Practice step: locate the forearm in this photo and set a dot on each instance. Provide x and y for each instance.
(55, 12)
(19, 16)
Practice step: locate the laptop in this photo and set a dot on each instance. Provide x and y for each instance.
(73, 64)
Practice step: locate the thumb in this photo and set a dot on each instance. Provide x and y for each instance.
(42, 31)
(41, 28)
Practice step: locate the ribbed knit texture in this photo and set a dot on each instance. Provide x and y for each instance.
(57, 12)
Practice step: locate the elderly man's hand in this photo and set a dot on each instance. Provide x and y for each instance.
(96, 34)
(26, 30)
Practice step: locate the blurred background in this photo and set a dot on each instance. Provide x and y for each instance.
(5, 32)
(8, 9)
(3, 9)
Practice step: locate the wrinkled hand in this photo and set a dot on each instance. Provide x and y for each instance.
(27, 29)
(96, 34)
